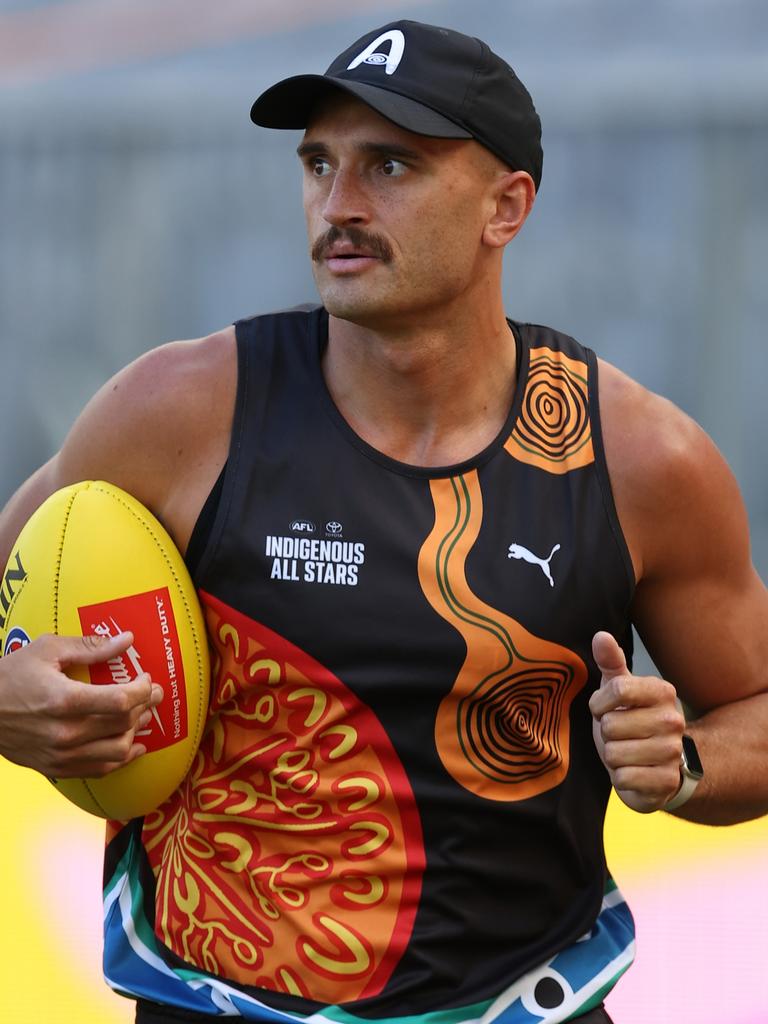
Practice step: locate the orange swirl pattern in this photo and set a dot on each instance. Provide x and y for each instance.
(291, 858)
(503, 731)
(553, 429)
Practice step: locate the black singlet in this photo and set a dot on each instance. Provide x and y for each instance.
(397, 807)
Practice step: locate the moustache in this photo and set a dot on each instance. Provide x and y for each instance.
(373, 244)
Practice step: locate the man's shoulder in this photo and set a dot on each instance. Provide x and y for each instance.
(181, 362)
(159, 421)
(651, 433)
(174, 383)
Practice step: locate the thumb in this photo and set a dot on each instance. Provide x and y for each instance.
(609, 656)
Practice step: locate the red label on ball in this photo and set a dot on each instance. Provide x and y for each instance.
(155, 649)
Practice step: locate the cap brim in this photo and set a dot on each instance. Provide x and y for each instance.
(290, 103)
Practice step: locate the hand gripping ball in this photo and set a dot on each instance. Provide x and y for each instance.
(93, 560)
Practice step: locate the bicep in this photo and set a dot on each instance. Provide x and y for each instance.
(701, 608)
(105, 442)
(159, 429)
(709, 637)
(22, 504)
(96, 457)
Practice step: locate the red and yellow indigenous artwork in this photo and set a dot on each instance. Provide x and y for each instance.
(291, 858)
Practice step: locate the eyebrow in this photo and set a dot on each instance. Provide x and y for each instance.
(307, 149)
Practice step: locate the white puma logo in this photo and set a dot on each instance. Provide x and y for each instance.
(518, 551)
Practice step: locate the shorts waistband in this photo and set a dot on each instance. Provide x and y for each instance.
(155, 1013)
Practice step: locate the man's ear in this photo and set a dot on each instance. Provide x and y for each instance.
(514, 194)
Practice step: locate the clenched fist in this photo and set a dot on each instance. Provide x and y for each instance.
(638, 728)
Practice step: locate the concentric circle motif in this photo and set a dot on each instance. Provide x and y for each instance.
(553, 430)
(503, 730)
(509, 727)
(291, 858)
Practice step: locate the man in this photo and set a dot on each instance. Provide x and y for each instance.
(420, 533)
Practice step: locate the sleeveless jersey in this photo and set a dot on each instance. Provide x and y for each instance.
(397, 808)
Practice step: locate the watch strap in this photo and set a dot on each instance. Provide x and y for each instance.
(691, 774)
(688, 786)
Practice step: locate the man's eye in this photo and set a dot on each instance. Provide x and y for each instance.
(393, 168)
(320, 167)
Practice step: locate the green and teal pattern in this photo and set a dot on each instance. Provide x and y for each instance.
(568, 984)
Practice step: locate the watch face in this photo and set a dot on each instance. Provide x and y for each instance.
(691, 762)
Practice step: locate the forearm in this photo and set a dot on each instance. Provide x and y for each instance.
(732, 742)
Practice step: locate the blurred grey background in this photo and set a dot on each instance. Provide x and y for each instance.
(138, 203)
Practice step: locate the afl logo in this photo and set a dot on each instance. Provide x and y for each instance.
(15, 640)
(376, 58)
(333, 528)
(302, 526)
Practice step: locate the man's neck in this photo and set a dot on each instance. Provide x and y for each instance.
(431, 396)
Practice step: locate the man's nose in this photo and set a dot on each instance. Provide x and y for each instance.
(346, 202)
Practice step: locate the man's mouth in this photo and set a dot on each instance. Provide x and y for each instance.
(347, 260)
(350, 250)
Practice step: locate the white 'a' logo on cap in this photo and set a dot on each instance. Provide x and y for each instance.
(370, 55)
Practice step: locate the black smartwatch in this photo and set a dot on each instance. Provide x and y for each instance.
(691, 774)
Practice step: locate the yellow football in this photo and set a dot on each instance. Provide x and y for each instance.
(93, 560)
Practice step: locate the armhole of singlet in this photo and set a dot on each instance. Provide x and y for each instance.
(210, 525)
(203, 528)
(601, 467)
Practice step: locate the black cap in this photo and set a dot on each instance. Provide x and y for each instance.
(429, 80)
